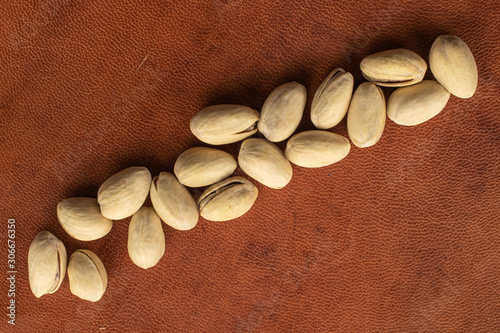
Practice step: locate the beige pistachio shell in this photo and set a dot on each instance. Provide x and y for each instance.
(124, 193)
(416, 104)
(331, 100)
(264, 162)
(47, 261)
(228, 199)
(366, 115)
(225, 123)
(173, 203)
(394, 68)
(81, 218)
(316, 149)
(453, 65)
(87, 276)
(146, 240)
(282, 111)
(202, 166)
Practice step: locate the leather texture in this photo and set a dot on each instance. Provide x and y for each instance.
(400, 237)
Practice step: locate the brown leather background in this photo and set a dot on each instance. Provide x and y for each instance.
(400, 237)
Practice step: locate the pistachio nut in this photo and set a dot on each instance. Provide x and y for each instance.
(331, 100)
(81, 218)
(394, 68)
(202, 166)
(416, 104)
(315, 149)
(228, 199)
(226, 123)
(366, 115)
(282, 111)
(453, 65)
(264, 162)
(47, 261)
(146, 240)
(173, 203)
(122, 194)
(87, 275)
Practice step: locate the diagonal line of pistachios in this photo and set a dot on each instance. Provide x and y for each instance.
(123, 195)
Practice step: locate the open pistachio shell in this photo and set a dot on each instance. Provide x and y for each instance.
(87, 276)
(225, 123)
(173, 202)
(331, 100)
(228, 199)
(47, 261)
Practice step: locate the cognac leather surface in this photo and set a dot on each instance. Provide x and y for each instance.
(400, 237)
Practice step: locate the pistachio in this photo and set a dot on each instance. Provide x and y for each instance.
(146, 240)
(228, 199)
(81, 218)
(87, 275)
(202, 166)
(315, 149)
(331, 100)
(226, 123)
(416, 104)
(366, 115)
(394, 68)
(124, 193)
(173, 202)
(282, 111)
(46, 264)
(264, 162)
(453, 65)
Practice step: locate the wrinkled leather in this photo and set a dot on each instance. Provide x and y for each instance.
(399, 237)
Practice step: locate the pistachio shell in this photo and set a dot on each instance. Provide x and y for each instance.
(47, 261)
(228, 199)
(146, 240)
(315, 149)
(331, 100)
(81, 218)
(282, 111)
(173, 202)
(202, 166)
(264, 162)
(87, 276)
(124, 193)
(453, 65)
(416, 104)
(394, 68)
(366, 115)
(226, 123)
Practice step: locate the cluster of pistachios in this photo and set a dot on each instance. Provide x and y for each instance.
(226, 196)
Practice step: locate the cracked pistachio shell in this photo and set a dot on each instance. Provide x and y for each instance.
(202, 166)
(416, 104)
(47, 261)
(173, 203)
(87, 275)
(453, 65)
(81, 218)
(394, 68)
(122, 194)
(366, 115)
(315, 149)
(146, 240)
(331, 100)
(223, 124)
(282, 111)
(228, 199)
(264, 162)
